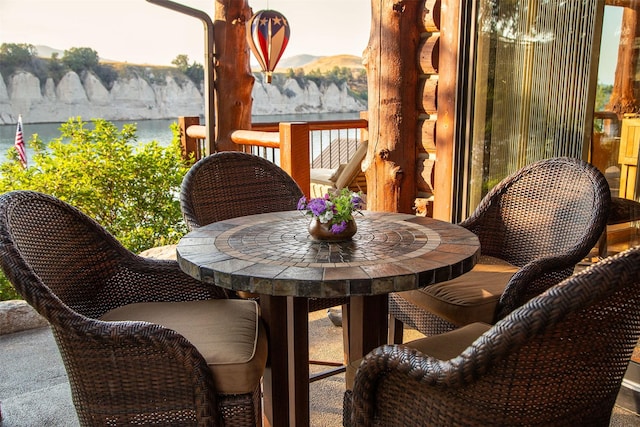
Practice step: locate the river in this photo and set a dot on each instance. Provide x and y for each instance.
(147, 130)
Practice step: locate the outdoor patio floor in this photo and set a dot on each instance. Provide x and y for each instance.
(34, 391)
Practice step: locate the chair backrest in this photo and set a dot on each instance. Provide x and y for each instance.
(352, 168)
(57, 257)
(545, 219)
(557, 360)
(72, 271)
(566, 350)
(230, 184)
(551, 207)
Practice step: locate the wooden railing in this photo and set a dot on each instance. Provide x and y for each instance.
(288, 143)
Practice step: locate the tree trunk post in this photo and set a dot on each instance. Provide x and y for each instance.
(390, 59)
(234, 81)
(623, 99)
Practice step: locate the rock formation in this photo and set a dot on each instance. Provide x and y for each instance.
(135, 98)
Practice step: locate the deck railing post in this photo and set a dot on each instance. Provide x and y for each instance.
(294, 153)
(189, 144)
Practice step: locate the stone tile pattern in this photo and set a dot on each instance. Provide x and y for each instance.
(274, 254)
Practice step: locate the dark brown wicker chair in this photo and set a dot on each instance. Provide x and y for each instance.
(533, 227)
(231, 184)
(132, 372)
(559, 360)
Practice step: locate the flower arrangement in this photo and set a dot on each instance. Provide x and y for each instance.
(334, 209)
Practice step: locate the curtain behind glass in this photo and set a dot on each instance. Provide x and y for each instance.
(534, 85)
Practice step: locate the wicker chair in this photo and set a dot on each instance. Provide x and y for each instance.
(559, 360)
(533, 227)
(231, 184)
(142, 342)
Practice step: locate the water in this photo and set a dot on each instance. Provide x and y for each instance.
(147, 130)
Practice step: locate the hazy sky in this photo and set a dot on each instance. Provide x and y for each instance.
(140, 32)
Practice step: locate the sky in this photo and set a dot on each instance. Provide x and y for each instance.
(140, 32)
(609, 44)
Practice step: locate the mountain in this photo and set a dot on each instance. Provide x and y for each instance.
(297, 61)
(310, 62)
(327, 63)
(46, 51)
(304, 61)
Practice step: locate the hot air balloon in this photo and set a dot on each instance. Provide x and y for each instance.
(268, 35)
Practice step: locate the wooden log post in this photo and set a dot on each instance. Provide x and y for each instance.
(446, 102)
(189, 144)
(234, 81)
(294, 153)
(390, 58)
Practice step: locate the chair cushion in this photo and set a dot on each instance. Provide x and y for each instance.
(334, 177)
(352, 168)
(228, 334)
(450, 344)
(472, 297)
(443, 346)
(323, 175)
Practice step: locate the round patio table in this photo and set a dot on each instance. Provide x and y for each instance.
(273, 255)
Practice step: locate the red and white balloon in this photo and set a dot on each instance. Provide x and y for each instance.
(268, 34)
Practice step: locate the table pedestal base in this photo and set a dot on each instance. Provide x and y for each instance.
(286, 379)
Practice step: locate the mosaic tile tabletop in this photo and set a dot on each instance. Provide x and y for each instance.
(274, 254)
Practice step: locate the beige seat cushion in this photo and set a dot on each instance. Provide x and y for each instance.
(472, 297)
(228, 333)
(323, 176)
(326, 180)
(352, 168)
(444, 346)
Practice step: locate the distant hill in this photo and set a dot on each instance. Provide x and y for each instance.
(46, 51)
(310, 62)
(297, 61)
(306, 62)
(327, 63)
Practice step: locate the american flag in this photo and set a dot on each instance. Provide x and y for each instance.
(19, 144)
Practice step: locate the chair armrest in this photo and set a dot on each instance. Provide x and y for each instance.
(395, 365)
(110, 362)
(532, 279)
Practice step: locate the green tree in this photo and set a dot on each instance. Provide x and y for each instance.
(181, 62)
(14, 56)
(603, 94)
(195, 71)
(81, 59)
(56, 68)
(129, 188)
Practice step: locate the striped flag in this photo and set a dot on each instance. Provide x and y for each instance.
(19, 144)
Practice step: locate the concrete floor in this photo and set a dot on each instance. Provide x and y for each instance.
(34, 391)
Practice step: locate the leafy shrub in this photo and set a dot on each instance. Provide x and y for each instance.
(129, 188)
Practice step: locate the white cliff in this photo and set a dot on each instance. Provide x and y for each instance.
(135, 98)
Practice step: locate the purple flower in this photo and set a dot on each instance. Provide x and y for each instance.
(302, 203)
(339, 228)
(356, 201)
(317, 206)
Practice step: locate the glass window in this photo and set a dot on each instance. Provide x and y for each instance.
(534, 86)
